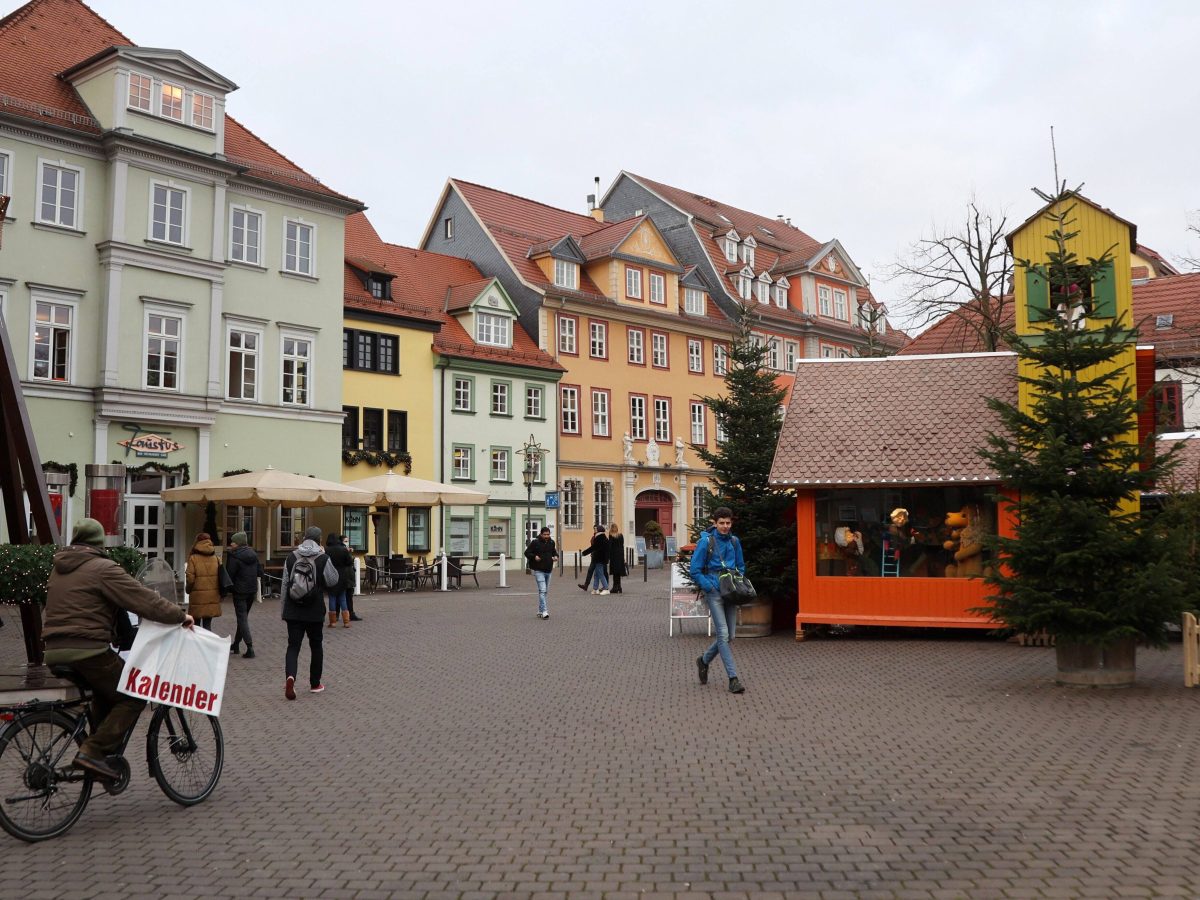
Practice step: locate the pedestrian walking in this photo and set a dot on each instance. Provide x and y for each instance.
(718, 550)
(245, 571)
(616, 557)
(354, 617)
(597, 574)
(202, 578)
(307, 572)
(541, 554)
(335, 548)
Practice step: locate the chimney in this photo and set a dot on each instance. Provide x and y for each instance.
(596, 212)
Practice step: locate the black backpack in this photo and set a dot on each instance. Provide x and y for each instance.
(304, 585)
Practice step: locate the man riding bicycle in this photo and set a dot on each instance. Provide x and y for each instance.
(86, 594)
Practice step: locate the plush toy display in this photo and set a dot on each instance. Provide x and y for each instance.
(956, 521)
(966, 542)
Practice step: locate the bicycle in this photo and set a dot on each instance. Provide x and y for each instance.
(42, 795)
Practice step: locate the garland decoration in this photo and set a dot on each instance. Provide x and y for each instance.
(390, 458)
(64, 469)
(182, 468)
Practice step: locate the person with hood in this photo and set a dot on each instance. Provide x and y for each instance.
(305, 615)
(541, 554)
(716, 551)
(203, 581)
(354, 617)
(335, 548)
(245, 570)
(598, 551)
(616, 557)
(86, 594)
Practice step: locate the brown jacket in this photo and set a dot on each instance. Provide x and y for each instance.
(86, 593)
(203, 581)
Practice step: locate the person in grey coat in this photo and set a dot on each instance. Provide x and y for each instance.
(306, 615)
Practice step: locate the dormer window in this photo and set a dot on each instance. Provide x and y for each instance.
(566, 274)
(171, 102)
(731, 250)
(762, 289)
(748, 246)
(744, 287)
(140, 88)
(380, 287)
(493, 330)
(693, 302)
(1164, 320)
(781, 289)
(202, 111)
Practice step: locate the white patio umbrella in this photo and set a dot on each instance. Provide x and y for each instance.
(404, 490)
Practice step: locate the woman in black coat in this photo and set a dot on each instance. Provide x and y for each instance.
(598, 551)
(344, 563)
(616, 556)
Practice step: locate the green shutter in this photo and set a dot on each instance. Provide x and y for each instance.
(1104, 292)
(1037, 291)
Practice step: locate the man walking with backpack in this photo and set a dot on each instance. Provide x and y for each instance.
(307, 573)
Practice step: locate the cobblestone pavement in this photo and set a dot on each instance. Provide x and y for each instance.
(465, 748)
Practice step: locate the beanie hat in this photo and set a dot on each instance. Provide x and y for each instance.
(239, 537)
(88, 531)
(312, 533)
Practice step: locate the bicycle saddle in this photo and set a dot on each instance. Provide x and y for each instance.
(68, 674)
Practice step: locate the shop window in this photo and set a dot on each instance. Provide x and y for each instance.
(904, 533)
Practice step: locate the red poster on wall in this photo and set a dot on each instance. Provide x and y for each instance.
(56, 504)
(106, 508)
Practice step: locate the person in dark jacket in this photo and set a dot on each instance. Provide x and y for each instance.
(306, 615)
(598, 568)
(335, 548)
(245, 570)
(86, 594)
(354, 617)
(541, 554)
(616, 556)
(716, 551)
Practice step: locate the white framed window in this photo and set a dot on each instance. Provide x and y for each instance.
(843, 353)
(637, 346)
(839, 306)
(762, 291)
(448, 228)
(633, 282)
(693, 302)
(500, 398)
(163, 343)
(533, 402)
(566, 274)
(748, 251)
(202, 111)
(170, 101)
(500, 464)
(566, 335)
(658, 288)
(292, 522)
(781, 291)
(241, 518)
(6, 168)
(245, 235)
(695, 355)
(824, 305)
(662, 420)
(720, 360)
(141, 89)
(721, 434)
(462, 394)
(298, 238)
(731, 252)
(744, 287)
(637, 417)
(572, 494)
(598, 340)
(52, 357)
(696, 415)
(297, 362)
(243, 349)
(773, 353)
(791, 353)
(827, 352)
(492, 329)
(168, 213)
(570, 410)
(600, 427)
(699, 503)
(602, 505)
(658, 350)
(461, 463)
(60, 194)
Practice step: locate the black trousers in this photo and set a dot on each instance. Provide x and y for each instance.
(113, 713)
(242, 604)
(316, 652)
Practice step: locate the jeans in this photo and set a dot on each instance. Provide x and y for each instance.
(337, 601)
(600, 579)
(316, 653)
(241, 608)
(543, 586)
(724, 616)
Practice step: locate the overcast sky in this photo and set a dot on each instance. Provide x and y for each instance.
(870, 122)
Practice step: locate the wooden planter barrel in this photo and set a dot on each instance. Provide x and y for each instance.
(1088, 665)
(754, 620)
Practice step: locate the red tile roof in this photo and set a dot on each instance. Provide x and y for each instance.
(1186, 477)
(603, 241)
(46, 37)
(894, 420)
(460, 296)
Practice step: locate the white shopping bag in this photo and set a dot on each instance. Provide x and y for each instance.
(172, 665)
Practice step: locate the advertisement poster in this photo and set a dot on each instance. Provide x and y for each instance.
(105, 508)
(460, 537)
(497, 536)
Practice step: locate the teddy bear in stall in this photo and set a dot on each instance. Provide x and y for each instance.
(965, 542)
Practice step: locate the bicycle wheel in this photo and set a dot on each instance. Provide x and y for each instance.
(186, 752)
(41, 796)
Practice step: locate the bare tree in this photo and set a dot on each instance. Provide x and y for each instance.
(964, 272)
(1194, 228)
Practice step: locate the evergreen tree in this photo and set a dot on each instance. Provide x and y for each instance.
(1081, 566)
(748, 415)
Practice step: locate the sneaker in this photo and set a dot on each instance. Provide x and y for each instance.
(249, 654)
(606, 592)
(289, 687)
(545, 615)
(320, 688)
(594, 592)
(735, 686)
(702, 669)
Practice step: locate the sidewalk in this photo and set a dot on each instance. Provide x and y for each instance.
(465, 748)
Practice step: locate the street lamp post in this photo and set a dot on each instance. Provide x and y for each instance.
(532, 451)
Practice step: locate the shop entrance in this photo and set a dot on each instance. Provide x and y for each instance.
(654, 505)
(149, 522)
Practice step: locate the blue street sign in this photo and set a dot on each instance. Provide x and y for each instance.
(551, 499)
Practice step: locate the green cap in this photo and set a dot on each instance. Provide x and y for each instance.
(88, 531)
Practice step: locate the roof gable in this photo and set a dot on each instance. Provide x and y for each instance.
(564, 247)
(1074, 197)
(161, 60)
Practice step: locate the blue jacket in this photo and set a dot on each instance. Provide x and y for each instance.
(726, 554)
